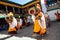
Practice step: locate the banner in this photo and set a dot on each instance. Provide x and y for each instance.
(43, 5)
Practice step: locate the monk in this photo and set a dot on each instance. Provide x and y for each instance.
(12, 23)
(39, 22)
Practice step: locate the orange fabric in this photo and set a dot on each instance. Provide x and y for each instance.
(11, 29)
(39, 14)
(43, 31)
(36, 26)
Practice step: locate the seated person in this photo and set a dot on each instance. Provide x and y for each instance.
(19, 22)
(27, 21)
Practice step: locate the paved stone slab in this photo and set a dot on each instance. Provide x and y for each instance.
(53, 32)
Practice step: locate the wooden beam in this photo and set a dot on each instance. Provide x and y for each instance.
(13, 5)
(8, 4)
(32, 3)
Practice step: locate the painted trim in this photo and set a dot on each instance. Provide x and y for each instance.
(53, 9)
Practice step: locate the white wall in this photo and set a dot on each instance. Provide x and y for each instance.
(52, 14)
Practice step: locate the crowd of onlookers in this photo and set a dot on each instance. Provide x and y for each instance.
(24, 21)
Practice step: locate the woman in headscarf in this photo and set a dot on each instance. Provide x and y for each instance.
(12, 23)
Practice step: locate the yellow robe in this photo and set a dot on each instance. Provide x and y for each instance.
(36, 26)
(11, 29)
(13, 26)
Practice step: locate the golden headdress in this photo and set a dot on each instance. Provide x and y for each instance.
(9, 17)
(37, 6)
(38, 10)
(10, 14)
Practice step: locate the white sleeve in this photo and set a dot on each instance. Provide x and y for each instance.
(21, 21)
(43, 21)
(14, 23)
(33, 18)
